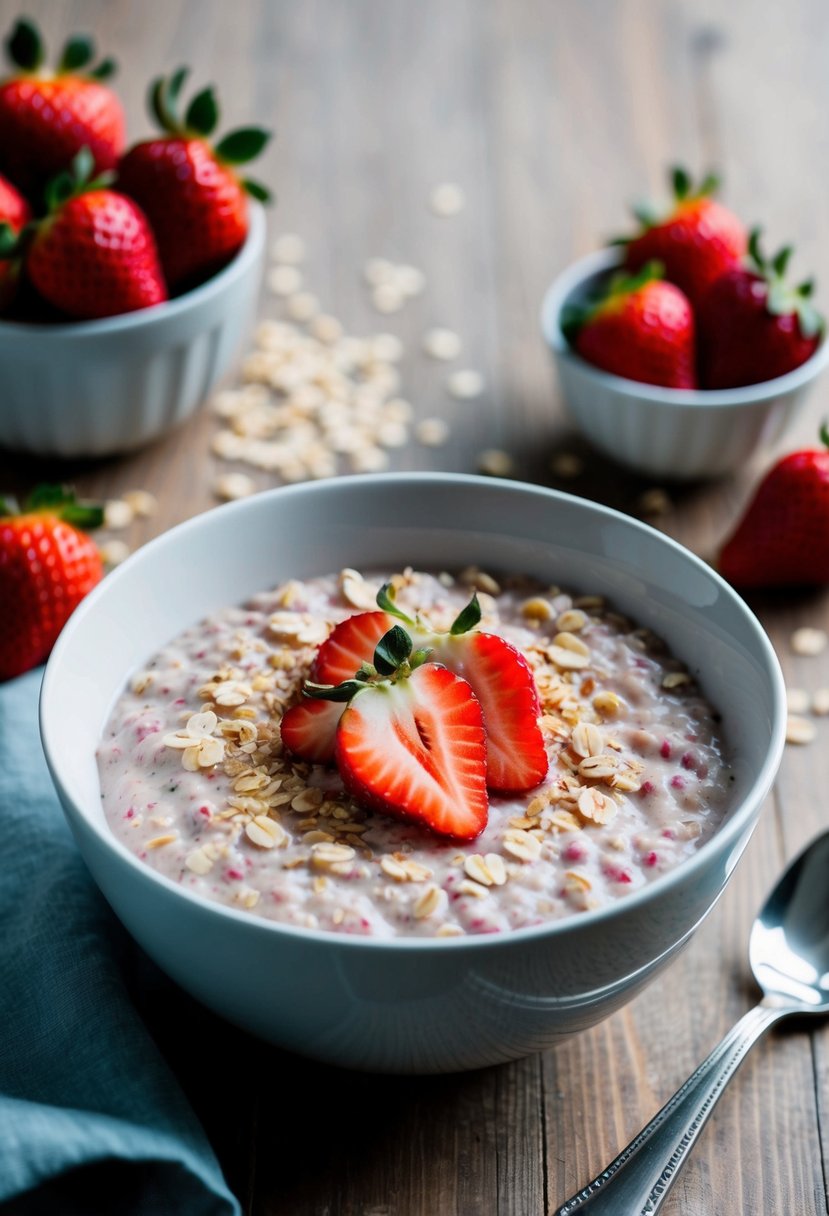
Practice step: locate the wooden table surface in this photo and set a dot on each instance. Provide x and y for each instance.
(552, 117)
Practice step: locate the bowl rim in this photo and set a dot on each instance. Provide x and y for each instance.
(168, 310)
(558, 294)
(723, 837)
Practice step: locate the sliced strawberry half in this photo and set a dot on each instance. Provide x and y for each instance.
(309, 729)
(416, 749)
(503, 682)
(348, 646)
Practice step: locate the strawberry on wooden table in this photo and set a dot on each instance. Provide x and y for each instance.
(411, 742)
(696, 241)
(47, 566)
(94, 254)
(782, 538)
(752, 326)
(47, 117)
(14, 215)
(189, 188)
(641, 328)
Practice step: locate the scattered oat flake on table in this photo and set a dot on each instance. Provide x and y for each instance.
(409, 280)
(447, 199)
(288, 249)
(807, 641)
(820, 702)
(496, 463)
(234, 485)
(431, 432)
(378, 270)
(143, 503)
(797, 700)
(302, 306)
(465, 383)
(654, 502)
(326, 328)
(566, 465)
(799, 730)
(441, 343)
(387, 348)
(113, 552)
(388, 298)
(118, 514)
(284, 280)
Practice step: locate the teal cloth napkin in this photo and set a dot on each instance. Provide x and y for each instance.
(92, 1120)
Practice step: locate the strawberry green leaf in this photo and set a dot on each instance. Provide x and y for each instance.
(811, 321)
(781, 260)
(241, 146)
(8, 506)
(61, 501)
(332, 692)
(9, 241)
(393, 649)
(681, 182)
(754, 251)
(104, 70)
(202, 114)
(646, 213)
(467, 618)
(76, 54)
(385, 601)
(824, 433)
(59, 190)
(163, 99)
(710, 185)
(24, 46)
(83, 163)
(256, 190)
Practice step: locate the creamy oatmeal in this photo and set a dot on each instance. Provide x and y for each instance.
(195, 781)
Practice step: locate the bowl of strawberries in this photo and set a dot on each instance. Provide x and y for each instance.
(683, 351)
(128, 276)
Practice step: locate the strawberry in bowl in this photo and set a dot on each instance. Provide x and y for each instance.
(47, 117)
(697, 391)
(196, 201)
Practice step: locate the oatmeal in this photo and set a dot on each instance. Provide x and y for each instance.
(196, 782)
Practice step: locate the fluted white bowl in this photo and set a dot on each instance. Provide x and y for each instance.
(94, 388)
(410, 1004)
(673, 433)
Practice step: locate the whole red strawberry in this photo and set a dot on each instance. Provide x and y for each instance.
(752, 327)
(189, 188)
(94, 254)
(46, 118)
(641, 328)
(47, 566)
(14, 215)
(696, 241)
(783, 537)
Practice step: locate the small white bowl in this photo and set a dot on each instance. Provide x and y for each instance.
(410, 1004)
(666, 432)
(93, 388)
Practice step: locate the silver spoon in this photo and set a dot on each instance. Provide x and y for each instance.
(789, 953)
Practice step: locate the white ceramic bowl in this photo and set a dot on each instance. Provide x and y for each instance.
(409, 1005)
(93, 388)
(661, 431)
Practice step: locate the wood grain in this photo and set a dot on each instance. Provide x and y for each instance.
(551, 117)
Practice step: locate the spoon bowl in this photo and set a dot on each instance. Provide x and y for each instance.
(789, 955)
(789, 944)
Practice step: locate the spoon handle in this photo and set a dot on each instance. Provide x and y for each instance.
(638, 1180)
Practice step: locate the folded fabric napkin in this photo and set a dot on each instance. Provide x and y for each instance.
(92, 1120)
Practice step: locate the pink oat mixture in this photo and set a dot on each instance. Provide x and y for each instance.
(195, 782)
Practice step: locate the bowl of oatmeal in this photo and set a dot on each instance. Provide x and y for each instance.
(281, 901)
